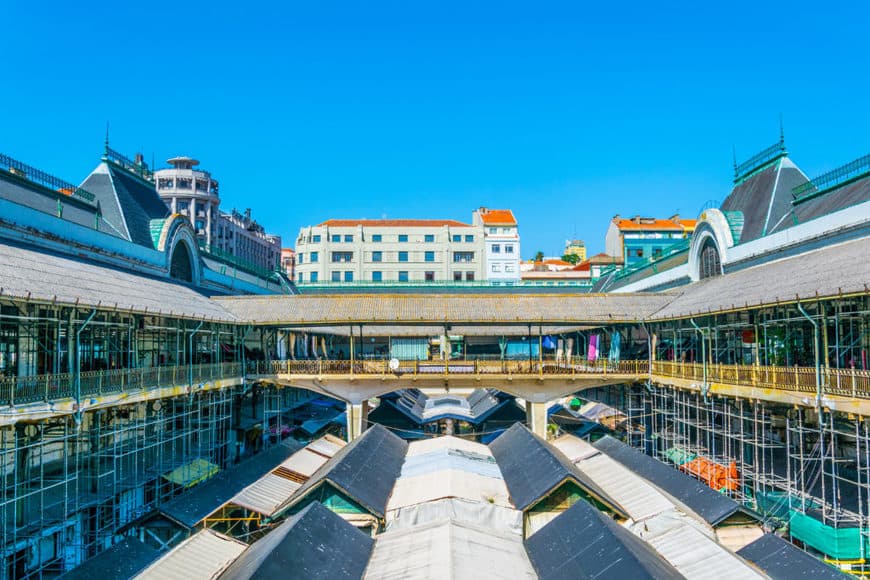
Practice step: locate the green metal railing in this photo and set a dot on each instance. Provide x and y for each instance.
(54, 387)
(773, 152)
(44, 179)
(140, 169)
(826, 181)
(231, 260)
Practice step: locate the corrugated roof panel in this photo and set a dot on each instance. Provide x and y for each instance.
(447, 442)
(574, 448)
(327, 445)
(448, 550)
(445, 484)
(456, 459)
(204, 555)
(639, 499)
(304, 462)
(483, 514)
(267, 494)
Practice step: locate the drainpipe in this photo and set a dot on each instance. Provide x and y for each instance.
(649, 354)
(190, 354)
(703, 354)
(816, 353)
(78, 414)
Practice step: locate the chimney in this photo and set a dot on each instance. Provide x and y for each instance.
(675, 217)
(139, 159)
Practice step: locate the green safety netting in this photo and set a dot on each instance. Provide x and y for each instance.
(679, 456)
(838, 543)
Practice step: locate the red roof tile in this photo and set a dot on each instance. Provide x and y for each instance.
(499, 217)
(655, 224)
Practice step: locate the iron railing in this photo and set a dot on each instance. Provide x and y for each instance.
(832, 178)
(759, 159)
(53, 387)
(44, 179)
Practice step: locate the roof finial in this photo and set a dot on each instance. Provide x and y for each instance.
(107, 138)
(734, 157)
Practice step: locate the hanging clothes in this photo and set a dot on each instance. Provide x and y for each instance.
(292, 345)
(323, 346)
(592, 354)
(548, 342)
(569, 348)
(560, 349)
(615, 343)
(314, 346)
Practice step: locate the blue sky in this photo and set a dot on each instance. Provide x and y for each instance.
(567, 113)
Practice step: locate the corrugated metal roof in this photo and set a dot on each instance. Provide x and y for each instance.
(267, 494)
(447, 442)
(448, 550)
(204, 555)
(328, 445)
(37, 275)
(574, 448)
(492, 517)
(695, 555)
(456, 459)
(445, 484)
(304, 462)
(639, 499)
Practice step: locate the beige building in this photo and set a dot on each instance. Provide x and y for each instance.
(398, 251)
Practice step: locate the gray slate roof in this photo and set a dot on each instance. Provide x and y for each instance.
(392, 309)
(127, 202)
(782, 560)
(712, 506)
(365, 469)
(29, 272)
(532, 468)
(120, 562)
(315, 543)
(839, 198)
(583, 543)
(825, 272)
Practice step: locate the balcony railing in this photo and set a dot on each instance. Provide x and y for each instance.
(381, 368)
(52, 387)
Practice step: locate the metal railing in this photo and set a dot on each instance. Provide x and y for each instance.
(421, 368)
(835, 381)
(52, 387)
(759, 159)
(832, 178)
(44, 179)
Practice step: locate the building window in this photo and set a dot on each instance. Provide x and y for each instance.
(342, 257)
(336, 238)
(183, 183)
(301, 277)
(469, 276)
(430, 256)
(315, 238)
(469, 239)
(377, 256)
(164, 183)
(376, 237)
(638, 253)
(460, 257)
(457, 276)
(348, 276)
(493, 230)
(377, 276)
(429, 276)
(657, 253)
(348, 238)
(336, 276)
(403, 276)
(429, 238)
(314, 257)
(711, 264)
(496, 249)
(509, 268)
(313, 276)
(496, 267)
(403, 256)
(457, 238)
(300, 258)
(403, 238)
(508, 248)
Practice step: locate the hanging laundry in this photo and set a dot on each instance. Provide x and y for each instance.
(593, 348)
(615, 343)
(548, 342)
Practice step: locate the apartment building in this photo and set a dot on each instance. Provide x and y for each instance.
(406, 250)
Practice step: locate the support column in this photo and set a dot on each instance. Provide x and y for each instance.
(536, 418)
(357, 421)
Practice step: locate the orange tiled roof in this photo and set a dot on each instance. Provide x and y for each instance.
(395, 223)
(500, 217)
(656, 224)
(557, 263)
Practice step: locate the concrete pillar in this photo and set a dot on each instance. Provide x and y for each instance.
(536, 418)
(356, 419)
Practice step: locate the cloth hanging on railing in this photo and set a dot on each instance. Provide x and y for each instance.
(323, 346)
(569, 347)
(592, 353)
(314, 346)
(615, 343)
(560, 349)
(282, 345)
(292, 336)
(502, 345)
(548, 342)
(304, 346)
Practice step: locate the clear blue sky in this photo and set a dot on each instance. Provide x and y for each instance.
(567, 113)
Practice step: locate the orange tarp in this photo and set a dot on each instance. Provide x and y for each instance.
(713, 474)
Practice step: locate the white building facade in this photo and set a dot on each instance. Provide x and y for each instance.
(394, 251)
(501, 244)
